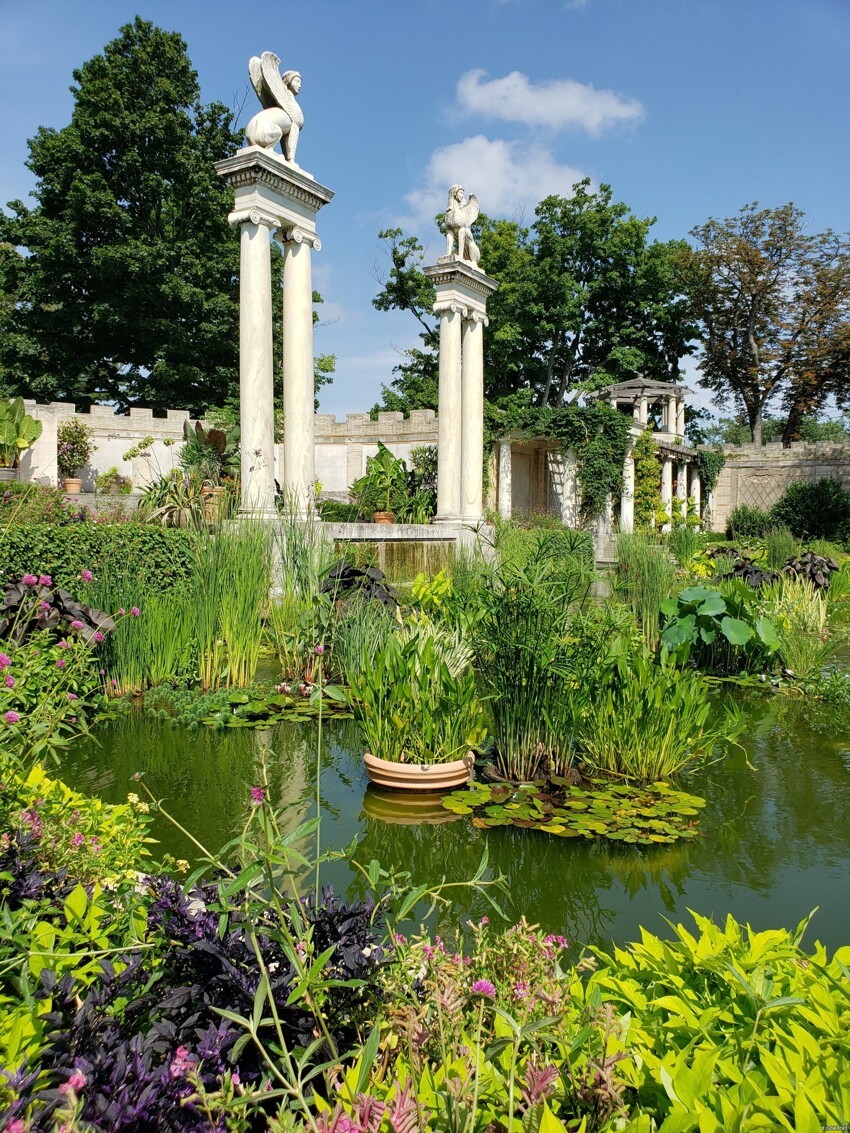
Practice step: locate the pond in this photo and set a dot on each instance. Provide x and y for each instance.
(775, 835)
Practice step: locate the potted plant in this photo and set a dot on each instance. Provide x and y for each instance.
(18, 430)
(112, 483)
(417, 710)
(74, 447)
(383, 485)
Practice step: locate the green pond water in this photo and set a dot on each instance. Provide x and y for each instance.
(775, 840)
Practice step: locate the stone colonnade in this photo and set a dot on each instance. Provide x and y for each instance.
(275, 198)
(461, 304)
(687, 481)
(672, 411)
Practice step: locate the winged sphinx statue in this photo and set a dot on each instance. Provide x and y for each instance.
(461, 214)
(281, 119)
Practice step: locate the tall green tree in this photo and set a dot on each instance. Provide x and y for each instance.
(773, 304)
(584, 299)
(128, 291)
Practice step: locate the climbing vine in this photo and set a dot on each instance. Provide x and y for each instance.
(647, 480)
(596, 433)
(709, 464)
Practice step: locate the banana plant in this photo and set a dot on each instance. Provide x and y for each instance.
(18, 430)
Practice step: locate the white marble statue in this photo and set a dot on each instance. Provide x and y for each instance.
(461, 214)
(281, 119)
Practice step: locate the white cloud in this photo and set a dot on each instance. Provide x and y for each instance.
(557, 104)
(507, 176)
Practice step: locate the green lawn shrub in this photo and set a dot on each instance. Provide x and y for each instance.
(814, 511)
(747, 522)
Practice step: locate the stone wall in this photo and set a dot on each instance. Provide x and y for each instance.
(341, 446)
(757, 475)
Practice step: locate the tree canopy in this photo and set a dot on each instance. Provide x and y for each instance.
(128, 289)
(773, 304)
(584, 299)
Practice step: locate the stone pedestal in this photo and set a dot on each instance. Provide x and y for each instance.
(273, 196)
(461, 304)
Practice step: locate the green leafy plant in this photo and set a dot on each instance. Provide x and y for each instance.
(74, 445)
(720, 632)
(383, 487)
(112, 483)
(647, 489)
(814, 511)
(799, 611)
(746, 521)
(649, 720)
(780, 546)
(18, 430)
(637, 816)
(416, 703)
(210, 455)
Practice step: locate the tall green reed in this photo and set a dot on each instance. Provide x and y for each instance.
(521, 640)
(800, 614)
(645, 574)
(682, 543)
(232, 579)
(780, 546)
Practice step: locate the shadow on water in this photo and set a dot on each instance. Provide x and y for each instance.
(775, 840)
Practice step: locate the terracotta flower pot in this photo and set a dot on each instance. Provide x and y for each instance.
(418, 776)
(383, 517)
(215, 503)
(73, 485)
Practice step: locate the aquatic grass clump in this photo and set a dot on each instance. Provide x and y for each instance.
(779, 546)
(800, 614)
(233, 574)
(651, 721)
(299, 614)
(645, 575)
(521, 648)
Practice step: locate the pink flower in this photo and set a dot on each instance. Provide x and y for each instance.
(95, 845)
(86, 575)
(11, 717)
(98, 636)
(77, 841)
(5, 661)
(258, 796)
(64, 644)
(485, 988)
(101, 672)
(557, 939)
(29, 580)
(72, 719)
(16, 1125)
(10, 681)
(72, 696)
(122, 611)
(320, 649)
(521, 989)
(45, 580)
(181, 1062)
(61, 663)
(235, 1079)
(135, 611)
(44, 605)
(77, 624)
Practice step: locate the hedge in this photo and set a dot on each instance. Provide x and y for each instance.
(132, 553)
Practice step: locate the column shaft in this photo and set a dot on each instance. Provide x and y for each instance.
(449, 439)
(696, 490)
(667, 488)
(505, 479)
(682, 489)
(680, 417)
(627, 499)
(256, 377)
(299, 454)
(472, 417)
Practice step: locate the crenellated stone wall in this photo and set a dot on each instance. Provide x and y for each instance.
(757, 475)
(341, 446)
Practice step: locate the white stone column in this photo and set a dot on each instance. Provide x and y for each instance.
(256, 377)
(667, 488)
(682, 488)
(696, 489)
(643, 412)
(505, 479)
(680, 417)
(472, 413)
(299, 448)
(570, 508)
(449, 421)
(627, 498)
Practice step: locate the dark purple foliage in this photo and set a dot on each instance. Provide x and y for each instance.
(135, 1033)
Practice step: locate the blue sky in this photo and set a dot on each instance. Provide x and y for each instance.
(688, 108)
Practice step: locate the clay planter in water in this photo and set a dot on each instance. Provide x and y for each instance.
(383, 517)
(73, 485)
(418, 776)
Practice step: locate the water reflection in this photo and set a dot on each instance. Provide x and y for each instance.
(774, 842)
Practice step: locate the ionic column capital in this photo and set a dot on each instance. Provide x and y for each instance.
(253, 216)
(477, 317)
(297, 235)
(451, 307)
